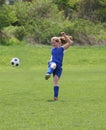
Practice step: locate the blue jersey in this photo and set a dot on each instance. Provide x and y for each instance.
(57, 55)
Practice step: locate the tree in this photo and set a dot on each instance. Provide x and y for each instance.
(63, 5)
(7, 16)
(2, 2)
(94, 10)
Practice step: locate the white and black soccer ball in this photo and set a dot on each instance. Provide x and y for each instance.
(15, 61)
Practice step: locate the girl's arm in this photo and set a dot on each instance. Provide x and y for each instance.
(68, 40)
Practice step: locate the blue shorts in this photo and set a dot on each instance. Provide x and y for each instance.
(57, 71)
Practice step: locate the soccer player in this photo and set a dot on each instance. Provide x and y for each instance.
(55, 63)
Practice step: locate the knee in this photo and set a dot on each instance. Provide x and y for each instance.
(53, 65)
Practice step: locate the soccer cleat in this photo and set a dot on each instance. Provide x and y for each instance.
(47, 76)
(55, 98)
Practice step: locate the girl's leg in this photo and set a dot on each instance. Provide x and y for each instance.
(51, 68)
(56, 87)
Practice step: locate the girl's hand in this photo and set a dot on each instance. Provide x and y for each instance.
(62, 33)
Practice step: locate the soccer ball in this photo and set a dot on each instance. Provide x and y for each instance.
(15, 61)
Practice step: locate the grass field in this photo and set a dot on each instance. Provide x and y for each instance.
(26, 99)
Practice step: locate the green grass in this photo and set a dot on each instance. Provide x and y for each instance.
(26, 98)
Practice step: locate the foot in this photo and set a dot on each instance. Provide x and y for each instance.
(47, 76)
(55, 98)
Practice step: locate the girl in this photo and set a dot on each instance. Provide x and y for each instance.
(55, 63)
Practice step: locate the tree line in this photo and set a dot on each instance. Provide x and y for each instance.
(37, 21)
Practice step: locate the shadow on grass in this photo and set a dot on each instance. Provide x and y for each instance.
(57, 101)
(51, 100)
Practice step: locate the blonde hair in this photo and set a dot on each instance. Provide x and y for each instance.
(56, 39)
(61, 40)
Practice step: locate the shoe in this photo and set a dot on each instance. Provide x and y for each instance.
(55, 98)
(47, 76)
